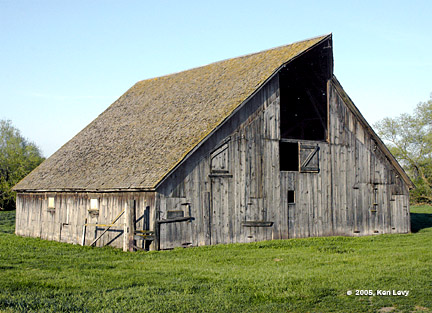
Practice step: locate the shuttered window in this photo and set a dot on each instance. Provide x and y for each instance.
(220, 160)
(298, 157)
(309, 158)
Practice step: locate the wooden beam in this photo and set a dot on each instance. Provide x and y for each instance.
(175, 220)
(257, 224)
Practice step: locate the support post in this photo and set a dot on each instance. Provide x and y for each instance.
(131, 225)
(157, 235)
(125, 227)
(154, 215)
(84, 232)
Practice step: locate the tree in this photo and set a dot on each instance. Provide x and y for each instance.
(18, 157)
(409, 138)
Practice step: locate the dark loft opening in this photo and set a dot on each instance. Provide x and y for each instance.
(291, 196)
(303, 94)
(288, 156)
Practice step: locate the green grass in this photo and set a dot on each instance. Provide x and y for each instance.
(297, 275)
(7, 222)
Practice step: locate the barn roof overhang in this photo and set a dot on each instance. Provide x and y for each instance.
(82, 190)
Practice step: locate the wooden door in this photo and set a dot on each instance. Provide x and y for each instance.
(220, 219)
(65, 228)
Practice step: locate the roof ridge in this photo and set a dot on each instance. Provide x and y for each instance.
(238, 57)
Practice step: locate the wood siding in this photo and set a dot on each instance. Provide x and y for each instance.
(233, 187)
(65, 222)
(223, 197)
(366, 186)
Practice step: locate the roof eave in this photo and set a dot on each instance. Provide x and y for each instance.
(83, 190)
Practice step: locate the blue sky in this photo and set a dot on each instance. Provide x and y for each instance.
(63, 62)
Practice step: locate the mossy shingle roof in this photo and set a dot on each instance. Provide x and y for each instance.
(156, 123)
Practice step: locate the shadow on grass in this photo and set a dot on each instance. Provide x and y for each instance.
(420, 221)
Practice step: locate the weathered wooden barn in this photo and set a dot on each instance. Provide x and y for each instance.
(259, 147)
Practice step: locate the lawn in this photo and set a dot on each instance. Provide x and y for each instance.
(296, 275)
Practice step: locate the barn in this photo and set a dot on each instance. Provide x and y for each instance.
(259, 147)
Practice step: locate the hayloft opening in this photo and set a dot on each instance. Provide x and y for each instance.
(288, 156)
(303, 94)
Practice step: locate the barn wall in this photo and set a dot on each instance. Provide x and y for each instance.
(355, 192)
(65, 222)
(368, 196)
(220, 198)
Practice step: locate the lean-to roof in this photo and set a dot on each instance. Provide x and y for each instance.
(151, 128)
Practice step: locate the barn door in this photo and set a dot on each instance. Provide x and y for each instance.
(399, 212)
(220, 219)
(65, 231)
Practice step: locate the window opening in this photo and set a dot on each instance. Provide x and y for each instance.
(94, 204)
(288, 156)
(51, 204)
(291, 196)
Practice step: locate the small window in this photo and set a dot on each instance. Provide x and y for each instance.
(94, 204)
(288, 156)
(220, 160)
(291, 196)
(51, 204)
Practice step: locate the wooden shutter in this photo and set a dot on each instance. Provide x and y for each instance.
(309, 158)
(220, 160)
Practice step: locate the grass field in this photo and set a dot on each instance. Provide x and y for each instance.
(296, 275)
